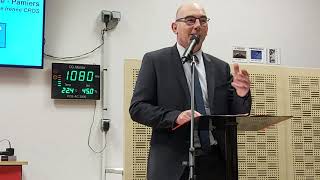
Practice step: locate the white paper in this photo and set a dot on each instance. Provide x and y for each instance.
(273, 56)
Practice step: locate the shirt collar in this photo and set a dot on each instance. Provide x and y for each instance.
(182, 49)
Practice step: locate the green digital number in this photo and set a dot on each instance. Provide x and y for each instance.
(63, 91)
(68, 72)
(90, 75)
(73, 76)
(80, 76)
(88, 91)
(71, 90)
(91, 90)
(84, 90)
(67, 90)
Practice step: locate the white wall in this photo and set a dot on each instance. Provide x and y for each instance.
(52, 135)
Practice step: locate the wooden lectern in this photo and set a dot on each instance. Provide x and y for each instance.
(230, 124)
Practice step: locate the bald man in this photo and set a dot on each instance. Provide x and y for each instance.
(161, 100)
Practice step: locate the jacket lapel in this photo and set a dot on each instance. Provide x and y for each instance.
(180, 75)
(210, 70)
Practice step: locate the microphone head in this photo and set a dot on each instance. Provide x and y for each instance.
(195, 37)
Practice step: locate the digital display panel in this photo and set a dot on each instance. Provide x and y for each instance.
(21, 33)
(75, 81)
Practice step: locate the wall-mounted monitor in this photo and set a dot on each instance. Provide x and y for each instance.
(22, 33)
(75, 81)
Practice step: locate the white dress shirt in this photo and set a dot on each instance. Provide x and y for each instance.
(203, 83)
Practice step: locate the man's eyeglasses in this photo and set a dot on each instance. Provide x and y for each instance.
(191, 20)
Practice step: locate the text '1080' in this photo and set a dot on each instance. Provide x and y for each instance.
(80, 76)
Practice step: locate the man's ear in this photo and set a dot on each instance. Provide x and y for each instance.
(174, 28)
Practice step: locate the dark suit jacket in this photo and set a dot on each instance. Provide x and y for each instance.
(161, 94)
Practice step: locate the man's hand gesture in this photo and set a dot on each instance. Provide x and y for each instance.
(241, 81)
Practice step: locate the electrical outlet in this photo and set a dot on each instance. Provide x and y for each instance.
(105, 125)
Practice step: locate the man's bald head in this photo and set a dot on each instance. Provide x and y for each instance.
(186, 7)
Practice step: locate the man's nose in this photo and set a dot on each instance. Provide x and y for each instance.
(197, 23)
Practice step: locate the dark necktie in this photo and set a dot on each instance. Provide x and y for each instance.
(199, 105)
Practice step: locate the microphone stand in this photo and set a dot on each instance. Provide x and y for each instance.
(191, 163)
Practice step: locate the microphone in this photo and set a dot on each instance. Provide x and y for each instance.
(194, 40)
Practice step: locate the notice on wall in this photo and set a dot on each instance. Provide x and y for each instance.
(273, 56)
(239, 55)
(257, 55)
